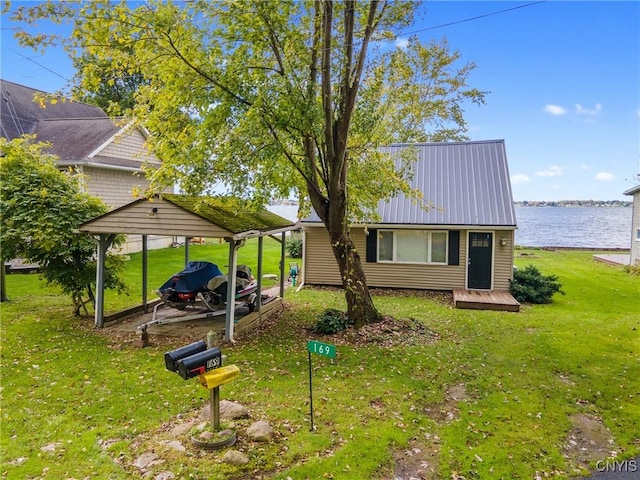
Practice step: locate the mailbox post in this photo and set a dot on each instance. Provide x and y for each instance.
(195, 360)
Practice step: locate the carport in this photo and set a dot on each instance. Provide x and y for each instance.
(227, 218)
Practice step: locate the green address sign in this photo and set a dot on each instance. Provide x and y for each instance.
(320, 348)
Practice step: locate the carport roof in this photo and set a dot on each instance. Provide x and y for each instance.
(226, 217)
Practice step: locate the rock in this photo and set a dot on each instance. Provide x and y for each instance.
(181, 429)
(144, 460)
(206, 436)
(176, 445)
(166, 475)
(234, 457)
(260, 432)
(232, 410)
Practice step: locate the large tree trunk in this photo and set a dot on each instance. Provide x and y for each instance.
(360, 307)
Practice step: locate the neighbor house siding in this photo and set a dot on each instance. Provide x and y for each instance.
(131, 146)
(320, 267)
(114, 187)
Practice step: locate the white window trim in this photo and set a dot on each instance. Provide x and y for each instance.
(429, 247)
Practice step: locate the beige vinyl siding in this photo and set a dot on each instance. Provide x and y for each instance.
(503, 260)
(168, 220)
(320, 267)
(129, 145)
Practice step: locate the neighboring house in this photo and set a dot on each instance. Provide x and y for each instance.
(635, 225)
(464, 241)
(109, 154)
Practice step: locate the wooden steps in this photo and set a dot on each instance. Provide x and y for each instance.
(485, 300)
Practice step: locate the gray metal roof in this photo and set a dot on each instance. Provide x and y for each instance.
(466, 184)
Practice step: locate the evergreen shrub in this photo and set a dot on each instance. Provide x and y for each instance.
(530, 286)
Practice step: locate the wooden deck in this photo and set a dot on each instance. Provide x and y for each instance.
(485, 300)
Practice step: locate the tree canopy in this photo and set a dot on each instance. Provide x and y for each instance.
(274, 99)
(41, 209)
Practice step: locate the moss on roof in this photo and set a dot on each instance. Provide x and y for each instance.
(232, 214)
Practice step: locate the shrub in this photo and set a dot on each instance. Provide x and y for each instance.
(332, 321)
(633, 269)
(294, 245)
(530, 286)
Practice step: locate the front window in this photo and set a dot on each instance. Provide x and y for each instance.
(412, 246)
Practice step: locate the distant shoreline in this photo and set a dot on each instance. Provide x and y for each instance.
(574, 203)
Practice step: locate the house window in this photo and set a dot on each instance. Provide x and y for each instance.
(638, 234)
(412, 246)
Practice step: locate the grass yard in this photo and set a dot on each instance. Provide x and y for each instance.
(477, 395)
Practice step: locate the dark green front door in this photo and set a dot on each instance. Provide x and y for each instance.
(480, 261)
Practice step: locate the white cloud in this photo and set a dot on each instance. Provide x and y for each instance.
(555, 109)
(553, 171)
(402, 43)
(606, 176)
(580, 110)
(584, 166)
(519, 178)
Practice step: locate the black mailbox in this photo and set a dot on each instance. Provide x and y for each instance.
(171, 358)
(200, 363)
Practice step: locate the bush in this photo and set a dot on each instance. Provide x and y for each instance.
(332, 321)
(633, 269)
(294, 245)
(530, 286)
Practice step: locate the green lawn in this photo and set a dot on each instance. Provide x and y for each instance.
(76, 404)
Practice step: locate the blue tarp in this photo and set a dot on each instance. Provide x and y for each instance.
(193, 278)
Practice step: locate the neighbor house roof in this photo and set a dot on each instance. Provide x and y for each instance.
(20, 114)
(77, 132)
(465, 183)
(632, 190)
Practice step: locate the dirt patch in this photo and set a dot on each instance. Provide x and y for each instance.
(589, 440)
(419, 461)
(448, 411)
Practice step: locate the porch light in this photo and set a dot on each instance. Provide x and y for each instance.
(503, 241)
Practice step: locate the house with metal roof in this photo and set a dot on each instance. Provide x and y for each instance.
(464, 240)
(109, 154)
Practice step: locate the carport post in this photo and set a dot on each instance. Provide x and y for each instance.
(103, 245)
(186, 250)
(145, 265)
(259, 299)
(231, 289)
(282, 257)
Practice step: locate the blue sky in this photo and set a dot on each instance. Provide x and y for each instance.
(563, 77)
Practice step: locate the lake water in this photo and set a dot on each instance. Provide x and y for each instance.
(585, 227)
(598, 227)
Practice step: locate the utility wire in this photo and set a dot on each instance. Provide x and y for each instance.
(472, 18)
(37, 63)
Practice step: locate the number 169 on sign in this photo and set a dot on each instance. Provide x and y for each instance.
(320, 348)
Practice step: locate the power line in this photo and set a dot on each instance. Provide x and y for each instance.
(473, 18)
(37, 63)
